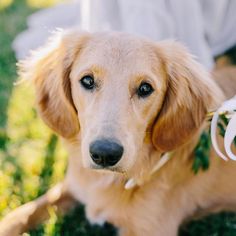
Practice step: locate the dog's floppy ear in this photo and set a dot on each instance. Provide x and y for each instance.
(49, 68)
(190, 93)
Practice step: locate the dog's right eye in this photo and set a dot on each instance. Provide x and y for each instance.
(88, 82)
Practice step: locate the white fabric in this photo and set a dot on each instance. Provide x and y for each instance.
(206, 27)
(42, 23)
(219, 20)
(230, 106)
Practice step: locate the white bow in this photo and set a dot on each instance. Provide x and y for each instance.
(230, 131)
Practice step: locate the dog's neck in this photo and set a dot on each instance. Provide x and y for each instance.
(159, 161)
(132, 182)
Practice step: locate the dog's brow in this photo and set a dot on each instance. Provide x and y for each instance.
(96, 69)
(144, 76)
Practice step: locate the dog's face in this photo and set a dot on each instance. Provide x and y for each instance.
(117, 90)
(120, 94)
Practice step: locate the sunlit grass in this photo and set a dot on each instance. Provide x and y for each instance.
(5, 3)
(31, 3)
(27, 163)
(42, 3)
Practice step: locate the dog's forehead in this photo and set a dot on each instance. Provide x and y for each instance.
(119, 51)
(121, 43)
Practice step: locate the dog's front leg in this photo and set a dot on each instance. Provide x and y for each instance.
(163, 230)
(33, 213)
(158, 221)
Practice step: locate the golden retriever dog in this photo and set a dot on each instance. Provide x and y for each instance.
(130, 112)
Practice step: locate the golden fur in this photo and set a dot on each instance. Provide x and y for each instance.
(169, 120)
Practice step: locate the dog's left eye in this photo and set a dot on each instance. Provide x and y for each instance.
(88, 82)
(145, 89)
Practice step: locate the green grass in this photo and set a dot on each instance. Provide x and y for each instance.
(32, 158)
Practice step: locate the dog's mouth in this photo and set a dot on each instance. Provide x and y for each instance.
(108, 169)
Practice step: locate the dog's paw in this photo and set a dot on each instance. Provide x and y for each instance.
(17, 222)
(11, 228)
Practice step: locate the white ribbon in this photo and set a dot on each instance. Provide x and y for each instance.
(131, 183)
(230, 131)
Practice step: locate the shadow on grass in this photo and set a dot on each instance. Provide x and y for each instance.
(223, 224)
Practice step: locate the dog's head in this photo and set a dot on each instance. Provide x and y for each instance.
(120, 94)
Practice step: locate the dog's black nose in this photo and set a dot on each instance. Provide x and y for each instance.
(105, 152)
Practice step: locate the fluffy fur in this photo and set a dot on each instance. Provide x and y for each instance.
(171, 120)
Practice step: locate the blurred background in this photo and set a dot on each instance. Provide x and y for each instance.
(32, 158)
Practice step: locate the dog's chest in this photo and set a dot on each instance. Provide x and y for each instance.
(102, 198)
(97, 213)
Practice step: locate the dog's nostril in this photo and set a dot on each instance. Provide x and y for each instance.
(105, 152)
(97, 158)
